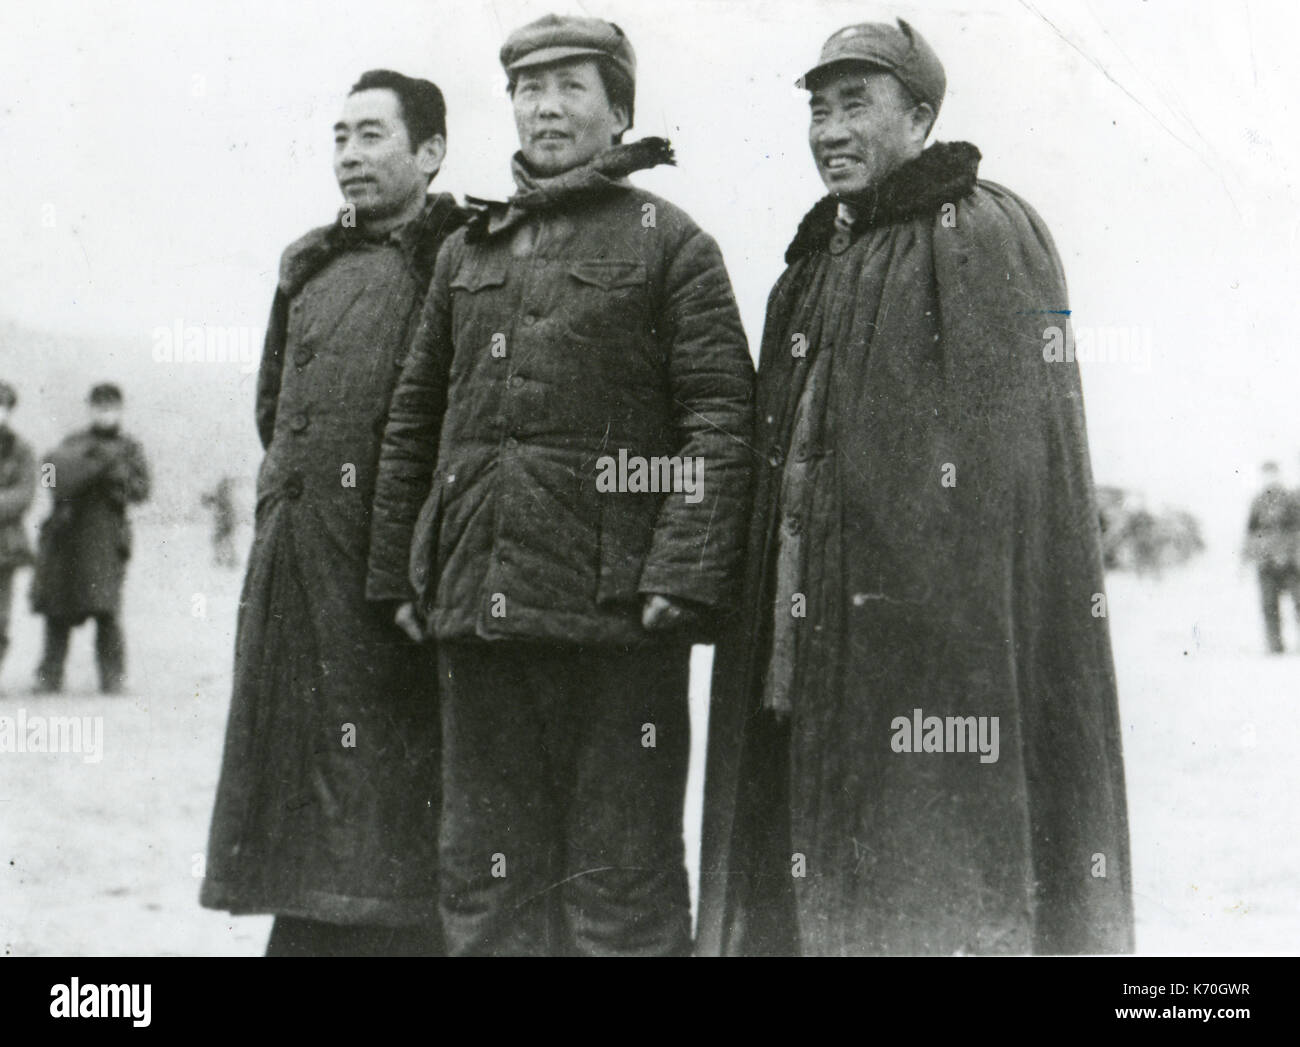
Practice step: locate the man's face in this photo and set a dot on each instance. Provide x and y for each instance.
(105, 416)
(563, 115)
(864, 125)
(373, 161)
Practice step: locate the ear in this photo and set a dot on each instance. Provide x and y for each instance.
(923, 117)
(620, 118)
(429, 155)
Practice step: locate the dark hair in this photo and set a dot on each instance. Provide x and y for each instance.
(420, 102)
(105, 393)
(618, 88)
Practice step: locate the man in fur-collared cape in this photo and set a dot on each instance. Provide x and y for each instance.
(914, 737)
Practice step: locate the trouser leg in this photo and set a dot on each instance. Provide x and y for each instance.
(49, 674)
(110, 653)
(6, 602)
(497, 853)
(764, 921)
(294, 936)
(625, 889)
(1269, 592)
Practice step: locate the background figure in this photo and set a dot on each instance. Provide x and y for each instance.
(1272, 543)
(17, 487)
(86, 541)
(221, 500)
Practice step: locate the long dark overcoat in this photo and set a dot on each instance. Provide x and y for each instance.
(327, 807)
(85, 542)
(950, 565)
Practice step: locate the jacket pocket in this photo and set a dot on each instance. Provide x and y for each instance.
(478, 275)
(606, 300)
(424, 540)
(626, 528)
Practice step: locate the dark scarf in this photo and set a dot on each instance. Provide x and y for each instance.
(603, 172)
(944, 173)
(418, 240)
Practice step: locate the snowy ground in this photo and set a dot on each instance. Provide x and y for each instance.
(104, 858)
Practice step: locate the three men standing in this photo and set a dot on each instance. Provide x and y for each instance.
(924, 551)
(327, 810)
(583, 322)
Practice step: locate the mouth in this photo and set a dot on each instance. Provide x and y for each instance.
(551, 136)
(840, 161)
(355, 183)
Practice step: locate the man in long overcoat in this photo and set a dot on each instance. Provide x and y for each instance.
(17, 489)
(327, 810)
(570, 431)
(914, 738)
(85, 542)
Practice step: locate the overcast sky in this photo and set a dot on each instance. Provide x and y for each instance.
(157, 157)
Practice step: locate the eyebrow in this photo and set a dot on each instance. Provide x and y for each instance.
(366, 123)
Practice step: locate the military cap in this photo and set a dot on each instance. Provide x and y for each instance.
(8, 395)
(553, 38)
(105, 393)
(901, 51)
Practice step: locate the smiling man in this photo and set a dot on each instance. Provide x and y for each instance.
(583, 321)
(924, 541)
(327, 810)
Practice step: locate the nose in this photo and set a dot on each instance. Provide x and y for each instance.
(348, 153)
(830, 132)
(548, 103)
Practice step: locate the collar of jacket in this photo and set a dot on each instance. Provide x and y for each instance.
(943, 173)
(607, 170)
(418, 240)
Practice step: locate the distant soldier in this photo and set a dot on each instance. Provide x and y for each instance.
(221, 500)
(17, 486)
(86, 541)
(1272, 534)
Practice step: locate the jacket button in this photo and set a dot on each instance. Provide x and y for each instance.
(793, 525)
(511, 442)
(302, 355)
(516, 381)
(529, 320)
(293, 486)
(298, 422)
(775, 457)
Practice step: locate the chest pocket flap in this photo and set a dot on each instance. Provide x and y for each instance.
(607, 275)
(479, 274)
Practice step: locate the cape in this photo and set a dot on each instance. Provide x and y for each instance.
(943, 544)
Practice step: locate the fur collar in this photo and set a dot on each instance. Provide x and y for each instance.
(418, 240)
(603, 172)
(943, 173)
